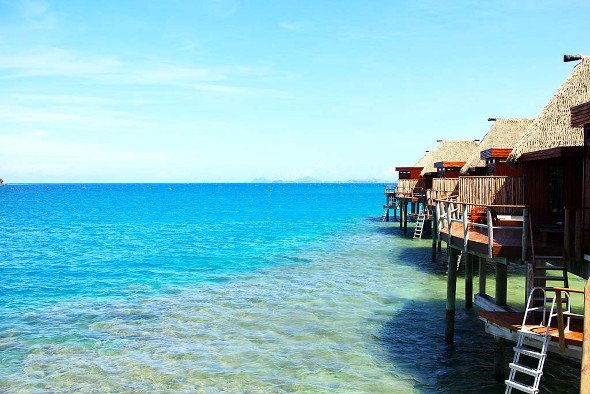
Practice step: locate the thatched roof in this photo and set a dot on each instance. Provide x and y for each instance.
(424, 160)
(504, 133)
(449, 151)
(551, 129)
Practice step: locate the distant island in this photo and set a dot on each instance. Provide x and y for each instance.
(309, 179)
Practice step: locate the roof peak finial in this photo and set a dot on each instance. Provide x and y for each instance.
(572, 58)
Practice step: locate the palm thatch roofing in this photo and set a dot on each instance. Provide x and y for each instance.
(504, 133)
(448, 150)
(552, 129)
(424, 160)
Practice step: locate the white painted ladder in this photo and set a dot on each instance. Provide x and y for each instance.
(540, 333)
(420, 224)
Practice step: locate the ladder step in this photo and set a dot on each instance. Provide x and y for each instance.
(524, 369)
(528, 352)
(549, 267)
(548, 257)
(549, 278)
(521, 387)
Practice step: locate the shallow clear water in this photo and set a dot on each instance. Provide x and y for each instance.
(240, 288)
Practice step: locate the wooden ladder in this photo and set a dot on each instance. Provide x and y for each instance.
(385, 215)
(420, 224)
(548, 268)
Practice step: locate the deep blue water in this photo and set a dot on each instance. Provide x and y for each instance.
(228, 287)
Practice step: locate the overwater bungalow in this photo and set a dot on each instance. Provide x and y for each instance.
(527, 221)
(434, 175)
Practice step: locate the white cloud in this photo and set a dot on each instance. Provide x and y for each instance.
(294, 26)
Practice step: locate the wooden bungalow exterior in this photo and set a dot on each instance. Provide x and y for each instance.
(547, 211)
(415, 190)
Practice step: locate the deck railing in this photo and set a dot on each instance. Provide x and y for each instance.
(492, 190)
(450, 210)
(443, 188)
(409, 188)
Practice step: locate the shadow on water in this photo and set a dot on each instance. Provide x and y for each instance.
(413, 340)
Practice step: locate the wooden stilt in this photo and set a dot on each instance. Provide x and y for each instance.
(401, 214)
(578, 241)
(501, 283)
(482, 276)
(469, 280)
(499, 353)
(439, 245)
(405, 217)
(387, 215)
(585, 372)
(530, 281)
(567, 234)
(434, 236)
(452, 254)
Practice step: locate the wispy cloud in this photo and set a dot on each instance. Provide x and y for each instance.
(37, 14)
(295, 26)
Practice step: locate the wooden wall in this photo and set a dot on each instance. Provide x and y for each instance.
(536, 185)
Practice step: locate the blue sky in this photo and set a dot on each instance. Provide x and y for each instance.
(230, 90)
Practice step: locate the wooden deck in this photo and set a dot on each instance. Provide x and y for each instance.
(506, 325)
(506, 242)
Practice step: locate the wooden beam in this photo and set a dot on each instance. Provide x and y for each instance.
(566, 234)
(501, 283)
(469, 280)
(434, 232)
(452, 256)
(578, 241)
(499, 355)
(482, 276)
(560, 325)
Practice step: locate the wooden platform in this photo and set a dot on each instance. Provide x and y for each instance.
(506, 243)
(506, 325)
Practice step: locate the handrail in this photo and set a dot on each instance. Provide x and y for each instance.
(450, 212)
(479, 205)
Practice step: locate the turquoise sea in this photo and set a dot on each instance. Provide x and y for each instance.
(230, 288)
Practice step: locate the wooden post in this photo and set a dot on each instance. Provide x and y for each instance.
(499, 364)
(525, 234)
(452, 254)
(566, 234)
(394, 209)
(482, 276)
(449, 224)
(434, 233)
(469, 280)
(585, 372)
(560, 323)
(578, 241)
(405, 217)
(401, 214)
(530, 281)
(501, 283)
(490, 234)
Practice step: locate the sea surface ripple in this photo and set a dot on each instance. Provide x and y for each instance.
(229, 288)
